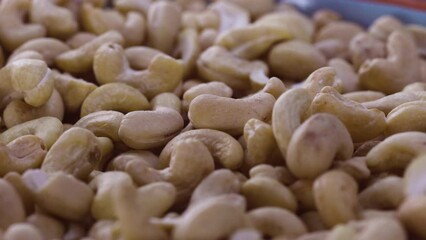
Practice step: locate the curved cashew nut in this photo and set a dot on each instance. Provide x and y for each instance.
(48, 226)
(27, 77)
(46, 128)
(75, 152)
(58, 21)
(160, 125)
(321, 78)
(13, 30)
(11, 205)
(336, 197)
(223, 147)
(362, 123)
(80, 60)
(287, 115)
(140, 57)
(23, 153)
(49, 48)
(114, 96)
(384, 26)
(389, 102)
(364, 96)
(396, 151)
(228, 114)
(275, 222)
(386, 193)
(163, 74)
(213, 88)
(17, 111)
(188, 49)
(316, 143)
(363, 47)
(102, 123)
(406, 117)
(231, 15)
(346, 73)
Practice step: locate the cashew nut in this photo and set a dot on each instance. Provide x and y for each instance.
(406, 117)
(12, 209)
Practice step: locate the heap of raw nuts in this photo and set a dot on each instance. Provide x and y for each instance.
(159, 120)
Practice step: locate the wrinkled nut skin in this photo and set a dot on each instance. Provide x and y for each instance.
(23, 153)
(223, 147)
(336, 197)
(285, 58)
(208, 111)
(102, 123)
(316, 144)
(412, 214)
(268, 192)
(11, 206)
(406, 117)
(114, 96)
(275, 222)
(75, 152)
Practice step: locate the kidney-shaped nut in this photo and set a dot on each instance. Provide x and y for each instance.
(17, 111)
(412, 214)
(75, 152)
(228, 114)
(49, 48)
(13, 29)
(213, 88)
(48, 226)
(164, 20)
(111, 65)
(223, 147)
(80, 60)
(217, 64)
(21, 154)
(277, 222)
(11, 206)
(386, 193)
(285, 58)
(346, 73)
(268, 192)
(222, 215)
(364, 47)
(384, 26)
(362, 123)
(114, 96)
(407, 117)
(60, 194)
(73, 90)
(46, 128)
(396, 151)
(102, 123)
(336, 197)
(400, 68)
(316, 144)
(140, 57)
(287, 115)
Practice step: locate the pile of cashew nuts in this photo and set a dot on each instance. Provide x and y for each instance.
(188, 120)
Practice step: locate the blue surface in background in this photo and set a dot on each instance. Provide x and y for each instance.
(361, 12)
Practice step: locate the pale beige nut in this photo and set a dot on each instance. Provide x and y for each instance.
(386, 193)
(73, 90)
(364, 96)
(14, 31)
(246, 234)
(58, 21)
(27, 197)
(419, 34)
(46, 128)
(268, 192)
(160, 125)
(344, 31)
(223, 215)
(80, 60)
(412, 214)
(111, 65)
(274, 222)
(188, 49)
(201, 20)
(396, 151)
(223, 147)
(75, 152)
(22, 231)
(26, 55)
(231, 15)
(415, 87)
(363, 47)
(355, 166)
(285, 58)
(60, 194)
(335, 194)
(389, 102)
(11, 205)
(346, 73)
(23, 153)
(106, 146)
(114, 96)
(287, 115)
(414, 184)
(383, 27)
(400, 68)
(213, 88)
(256, 8)
(102, 123)
(379, 228)
(279, 173)
(79, 39)
(406, 117)
(208, 111)
(362, 123)
(321, 78)
(332, 48)
(322, 17)
(303, 191)
(316, 144)
(98, 21)
(48, 226)
(164, 20)
(140, 57)
(49, 48)
(132, 5)
(17, 111)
